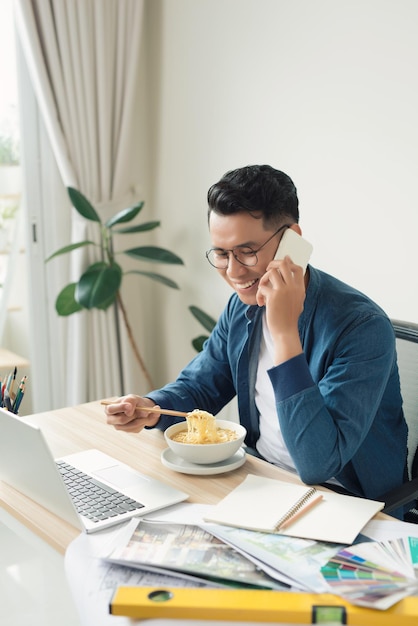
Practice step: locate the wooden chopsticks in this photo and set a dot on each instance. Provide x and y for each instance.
(152, 409)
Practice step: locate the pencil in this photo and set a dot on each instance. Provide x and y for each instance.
(301, 512)
(19, 395)
(12, 382)
(17, 404)
(8, 381)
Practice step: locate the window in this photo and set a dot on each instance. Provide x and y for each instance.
(14, 343)
(9, 131)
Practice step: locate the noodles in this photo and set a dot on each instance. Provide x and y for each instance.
(201, 428)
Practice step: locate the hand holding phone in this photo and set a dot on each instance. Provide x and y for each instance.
(296, 247)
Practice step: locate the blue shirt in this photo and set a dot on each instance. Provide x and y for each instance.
(338, 404)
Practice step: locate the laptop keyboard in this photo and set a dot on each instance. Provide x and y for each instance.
(92, 498)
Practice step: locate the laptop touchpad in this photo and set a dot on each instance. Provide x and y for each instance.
(120, 476)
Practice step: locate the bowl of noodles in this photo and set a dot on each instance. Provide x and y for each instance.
(203, 439)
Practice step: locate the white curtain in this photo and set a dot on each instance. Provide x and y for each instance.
(82, 56)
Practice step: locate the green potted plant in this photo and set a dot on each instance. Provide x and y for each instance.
(99, 285)
(207, 322)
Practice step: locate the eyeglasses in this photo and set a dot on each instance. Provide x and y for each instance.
(219, 258)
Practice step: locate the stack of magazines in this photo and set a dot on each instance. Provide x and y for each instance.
(368, 573)
(268, 534)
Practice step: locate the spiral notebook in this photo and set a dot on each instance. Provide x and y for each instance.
(273, 506)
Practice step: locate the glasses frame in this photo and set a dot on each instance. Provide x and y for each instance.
(232, 251)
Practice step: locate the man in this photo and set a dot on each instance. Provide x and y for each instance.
(311, 359)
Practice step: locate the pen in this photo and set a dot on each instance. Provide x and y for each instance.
(301, 512)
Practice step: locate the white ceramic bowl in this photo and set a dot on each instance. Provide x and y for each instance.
(205, 453)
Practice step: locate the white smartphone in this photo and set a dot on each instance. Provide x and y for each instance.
(295, 246)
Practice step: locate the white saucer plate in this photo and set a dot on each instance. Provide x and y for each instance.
(176, 463)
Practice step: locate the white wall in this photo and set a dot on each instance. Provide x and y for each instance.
(326, 90)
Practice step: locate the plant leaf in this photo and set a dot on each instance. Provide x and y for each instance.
(198, 342)
(157, 277)
(139, 228)
(66, 304)
(107, 303)
(69, 248)
(154, 254)
(126, 215)
(206, 320)
(82, 205)
(99, 285)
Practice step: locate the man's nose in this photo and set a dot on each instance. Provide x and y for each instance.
(235, 268)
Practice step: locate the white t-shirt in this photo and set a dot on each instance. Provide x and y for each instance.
(270, 444)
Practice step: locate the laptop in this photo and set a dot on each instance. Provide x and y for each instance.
(26, 463)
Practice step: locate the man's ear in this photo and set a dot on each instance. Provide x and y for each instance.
(296, 228)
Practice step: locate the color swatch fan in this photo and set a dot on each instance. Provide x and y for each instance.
(374, 574)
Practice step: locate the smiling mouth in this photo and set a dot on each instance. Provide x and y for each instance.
(247, 285)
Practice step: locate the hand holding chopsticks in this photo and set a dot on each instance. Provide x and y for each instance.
(152, 409)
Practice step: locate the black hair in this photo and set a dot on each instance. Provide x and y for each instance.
(261, 190)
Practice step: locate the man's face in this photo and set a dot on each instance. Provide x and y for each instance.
(235, 231)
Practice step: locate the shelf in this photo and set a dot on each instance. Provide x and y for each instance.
(9, 360)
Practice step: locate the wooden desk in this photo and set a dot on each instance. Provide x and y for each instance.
(79, 428)
(74, 429)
